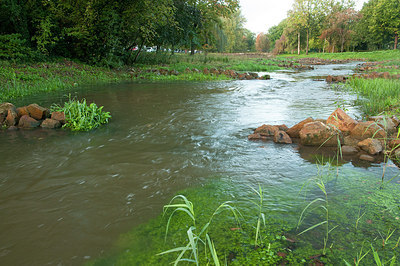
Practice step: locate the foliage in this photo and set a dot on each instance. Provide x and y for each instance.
(263, 43)
(12, 46)
(80, 116)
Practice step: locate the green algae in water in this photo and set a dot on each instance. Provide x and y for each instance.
(364, 212)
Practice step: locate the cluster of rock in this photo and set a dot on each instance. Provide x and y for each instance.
(30, 116)
(364, 139)
(372, 75)
(206, 71)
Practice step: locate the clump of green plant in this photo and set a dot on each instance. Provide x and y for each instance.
(80, 116)
(198, 240)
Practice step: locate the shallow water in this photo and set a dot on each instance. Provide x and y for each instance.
(66, 197)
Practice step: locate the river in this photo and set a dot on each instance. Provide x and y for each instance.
(65, 197)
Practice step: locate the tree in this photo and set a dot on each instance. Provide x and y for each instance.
(339, 31)
(262, 43)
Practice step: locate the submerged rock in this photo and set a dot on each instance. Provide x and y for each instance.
(348, 150)
(366, 157)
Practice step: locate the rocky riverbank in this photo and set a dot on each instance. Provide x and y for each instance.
(363, 139)
(31, 116)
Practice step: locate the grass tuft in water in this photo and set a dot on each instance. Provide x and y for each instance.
(80, 116)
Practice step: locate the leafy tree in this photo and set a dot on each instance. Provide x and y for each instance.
(263, 43)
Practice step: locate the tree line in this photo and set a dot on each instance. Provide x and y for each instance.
(103, 31)
(335, 26)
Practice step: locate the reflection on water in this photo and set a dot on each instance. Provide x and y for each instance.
(65, 197)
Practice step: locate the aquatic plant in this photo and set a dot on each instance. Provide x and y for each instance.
(80, 116)
(260, 215)
(324, 204)
(197, 239)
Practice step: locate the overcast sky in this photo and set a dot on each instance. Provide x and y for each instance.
(263, 14)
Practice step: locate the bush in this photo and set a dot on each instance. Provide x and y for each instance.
(13, 47)
(81, 117)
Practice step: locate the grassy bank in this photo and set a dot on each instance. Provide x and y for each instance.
(25, 79)
(376, 95)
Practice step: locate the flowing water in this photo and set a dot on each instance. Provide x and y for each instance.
(66, 197)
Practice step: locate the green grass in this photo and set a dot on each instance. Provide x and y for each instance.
(20, 80)
(377, 95)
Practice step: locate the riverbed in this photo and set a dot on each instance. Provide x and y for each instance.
(66, 197)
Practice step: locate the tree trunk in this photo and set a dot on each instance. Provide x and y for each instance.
(323, 47)
(307, 46)
(396, 40)
(298, 42)
(140, 49)
(342, 45)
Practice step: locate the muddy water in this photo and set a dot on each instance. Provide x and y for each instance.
(65, 197)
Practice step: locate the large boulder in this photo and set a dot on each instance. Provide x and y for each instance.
(266, 130)
(294, 131)
(50, 123)
(59, 116)
(341, 121)
(28, 122)
(369, 129)
(37, 112)
(372, 146)
(281, 137)
(318, 134)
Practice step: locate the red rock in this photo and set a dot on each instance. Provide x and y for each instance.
(21, 111)
(266, 130)
(254, 137)
(282, 127)
(12, 117)
(294, 131)
(281, 137)
(365, 130)
(341, 121)
(59, 116)
(50, 123)
(317, 134)
(37, 112)
(206, 71)
(372, 146)
(394, 144)
(329, 79)
(28, 122)
(349, 141)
